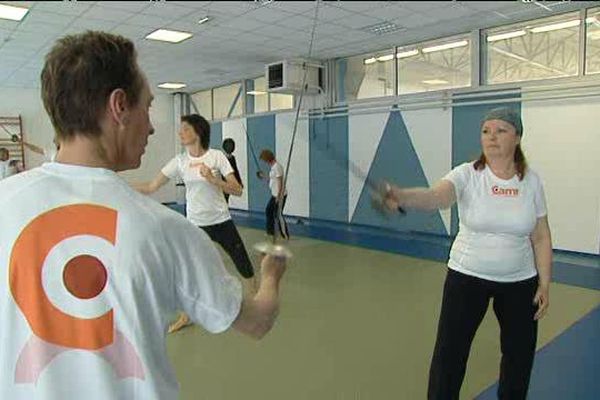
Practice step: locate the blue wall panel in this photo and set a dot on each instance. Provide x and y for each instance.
(216, 135)
(329, 168)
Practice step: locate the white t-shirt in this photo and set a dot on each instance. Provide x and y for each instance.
(6, 169)
(496, 218)
(206, 204)
(276, 172)
(92, 272)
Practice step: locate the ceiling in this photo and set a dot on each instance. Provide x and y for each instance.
(243, 36)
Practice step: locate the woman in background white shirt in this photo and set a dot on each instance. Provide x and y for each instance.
(503, 251)
(202, 170)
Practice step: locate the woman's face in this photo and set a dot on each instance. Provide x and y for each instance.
(499, 139)
(187, 134)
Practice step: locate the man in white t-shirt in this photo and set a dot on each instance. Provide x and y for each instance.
(503, 252)
(5, 167)
(274, 210)
(93, 269)
(8, 167)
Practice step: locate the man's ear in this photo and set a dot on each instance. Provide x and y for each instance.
(117, 106)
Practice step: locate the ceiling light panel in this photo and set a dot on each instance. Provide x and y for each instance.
(446, 46)
(557, 26)
(506, 35)
(165, 35)
(172, 85)
(12, 13)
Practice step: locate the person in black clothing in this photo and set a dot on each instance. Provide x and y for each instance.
(228, 148)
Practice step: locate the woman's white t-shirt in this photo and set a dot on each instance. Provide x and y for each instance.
(497, 217)
(205, 203)
(275, 173)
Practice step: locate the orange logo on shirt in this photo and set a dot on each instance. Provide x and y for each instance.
(507, 192)
(198, 165)
(84, 276)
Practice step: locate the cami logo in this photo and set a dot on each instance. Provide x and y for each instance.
(508, 192)
(59, 277)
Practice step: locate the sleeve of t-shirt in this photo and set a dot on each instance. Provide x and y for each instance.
(223, 164)
(204, 290)
(459, 176)
(539, 198)
(278, 171)
(171, 170)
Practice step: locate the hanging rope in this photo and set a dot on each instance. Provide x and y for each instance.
(256, 163)
(298, 108)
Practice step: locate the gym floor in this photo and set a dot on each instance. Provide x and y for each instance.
(357, 323)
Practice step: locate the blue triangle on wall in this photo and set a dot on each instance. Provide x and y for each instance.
(397, 162)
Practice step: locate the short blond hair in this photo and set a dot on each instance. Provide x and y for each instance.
(267, 155)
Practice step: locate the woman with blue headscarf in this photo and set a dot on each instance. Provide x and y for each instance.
(503, 252)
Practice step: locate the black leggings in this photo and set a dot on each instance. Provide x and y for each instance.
(226, 234)
(464, 305)
(273, 217)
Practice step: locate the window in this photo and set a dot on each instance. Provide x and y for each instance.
(423, 67)
(281, 101)
(203, 100)
(366, 76)
(592, 55)
(434, 65)
(226, 98)
(539, 49)
(258, 100)
(258, 97)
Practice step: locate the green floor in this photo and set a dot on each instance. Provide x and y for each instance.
(354, 324)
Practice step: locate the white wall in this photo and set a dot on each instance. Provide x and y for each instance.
(430, 131)
(38, 130)
(364, 135)
(561, 141)
(298, 184)
(161, 147)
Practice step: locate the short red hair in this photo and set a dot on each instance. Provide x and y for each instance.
(267, 155)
